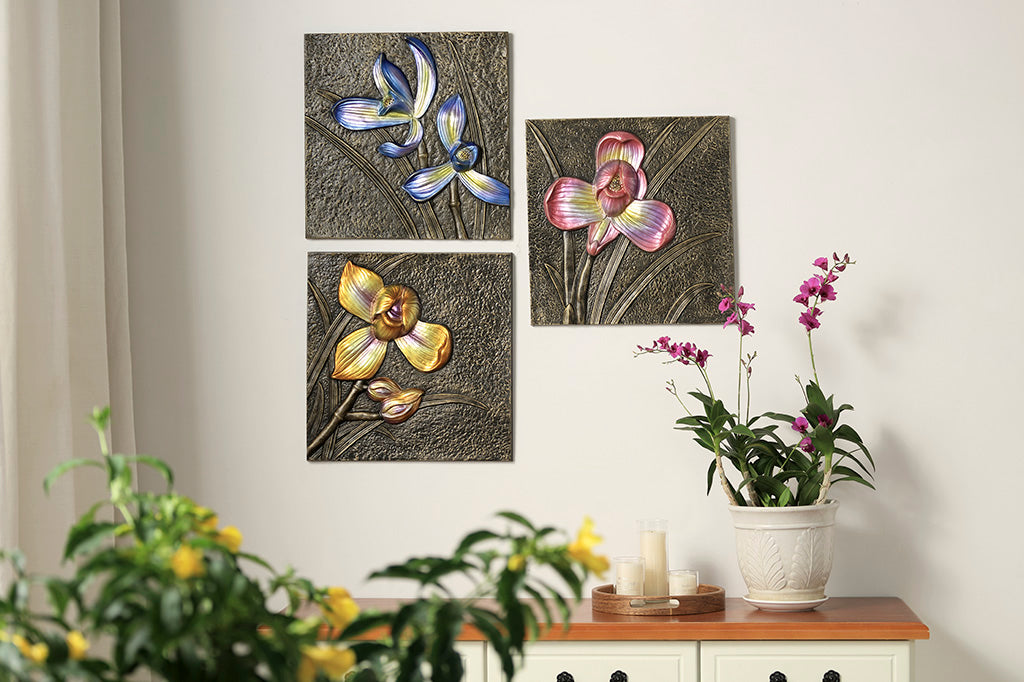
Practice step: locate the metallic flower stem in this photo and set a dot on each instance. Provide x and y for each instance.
(456, 205)
(362, 416)
(582, 285)
(338, 417)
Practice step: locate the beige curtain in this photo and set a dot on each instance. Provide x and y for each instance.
(63, 278)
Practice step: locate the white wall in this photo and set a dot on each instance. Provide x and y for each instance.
(892, 130)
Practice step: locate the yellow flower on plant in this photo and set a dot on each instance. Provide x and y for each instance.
(37, 653)
(230, 537)
(331, 660)
(339, 607)
(77, 645)
(581, 549)
(516, 562)
(206, 519)
(187, 562)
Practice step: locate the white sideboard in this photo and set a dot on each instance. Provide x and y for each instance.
(853, 639)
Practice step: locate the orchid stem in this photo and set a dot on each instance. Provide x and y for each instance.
(455, 203)
(582, 285)
(814, 369)
(338, 417)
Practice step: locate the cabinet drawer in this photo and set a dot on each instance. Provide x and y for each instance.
(805, 661)
(596, 661)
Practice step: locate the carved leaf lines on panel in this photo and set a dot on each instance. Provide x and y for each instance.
(812, 560)
(761, 563)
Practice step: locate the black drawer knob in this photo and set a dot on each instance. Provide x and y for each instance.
(564, 677)
(619, 676)
(831, 676)
(777, 677)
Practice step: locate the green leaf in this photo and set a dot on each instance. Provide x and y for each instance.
(85, 536)
(521, 520)
(488, 624)
(155, 463)
(64, 467)
(366, 621)
(474, 538)
(171, 616)
(743, 431)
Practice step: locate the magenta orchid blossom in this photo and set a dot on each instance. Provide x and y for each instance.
(772, 472)
(614, 203)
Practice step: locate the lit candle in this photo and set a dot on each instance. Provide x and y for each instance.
(682, 582)
(652, 547)
(629, 575)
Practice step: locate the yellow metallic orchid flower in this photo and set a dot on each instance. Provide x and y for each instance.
(393, 314)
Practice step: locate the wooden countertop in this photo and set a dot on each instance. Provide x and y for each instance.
(839, 618)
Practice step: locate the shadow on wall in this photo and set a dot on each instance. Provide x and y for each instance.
(884, 554)
(161, 295)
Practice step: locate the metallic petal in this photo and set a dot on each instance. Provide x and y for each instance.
(451, 121)
(412, 140)
(359, 355)
(427, 182)
(427, 347)
(392, 83)
(641, 189)
(485, 188)
(357, 113)
(570, 204)
(357, 290)
(397, 408)
(600, 235)
(426, 76)
(647, 223)
(620, 146)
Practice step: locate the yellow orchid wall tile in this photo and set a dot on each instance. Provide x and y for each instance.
(409, 357)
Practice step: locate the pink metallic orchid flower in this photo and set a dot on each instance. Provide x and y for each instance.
(615, 202)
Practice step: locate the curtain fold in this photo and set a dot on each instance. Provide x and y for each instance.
(64, 345)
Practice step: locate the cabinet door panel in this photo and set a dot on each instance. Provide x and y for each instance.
(474, 661)
(805, 661)
(596, 661)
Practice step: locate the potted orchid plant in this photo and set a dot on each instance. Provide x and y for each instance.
(776, 461)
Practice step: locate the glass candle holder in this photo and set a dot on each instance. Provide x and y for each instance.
(629, 575)
(653, 548)
(682, 581)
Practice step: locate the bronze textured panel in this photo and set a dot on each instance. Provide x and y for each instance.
(367, 95)
(630, 219)
(424, 370)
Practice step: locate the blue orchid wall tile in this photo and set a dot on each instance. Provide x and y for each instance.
(407, 135)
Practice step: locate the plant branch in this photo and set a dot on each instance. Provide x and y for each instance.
(338, 417)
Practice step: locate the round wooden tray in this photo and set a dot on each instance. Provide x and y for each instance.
(708, 598)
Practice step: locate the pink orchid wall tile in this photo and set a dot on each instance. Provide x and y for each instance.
(630, 219)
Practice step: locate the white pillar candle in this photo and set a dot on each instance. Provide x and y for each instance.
(629, 575)
(652, 547)
(682, 582)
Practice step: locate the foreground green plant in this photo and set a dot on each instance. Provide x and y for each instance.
(166, 589)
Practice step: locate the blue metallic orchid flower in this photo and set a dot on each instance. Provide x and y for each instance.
(462, 156)
(397, 104)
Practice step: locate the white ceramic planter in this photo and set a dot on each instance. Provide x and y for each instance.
(785, 553)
